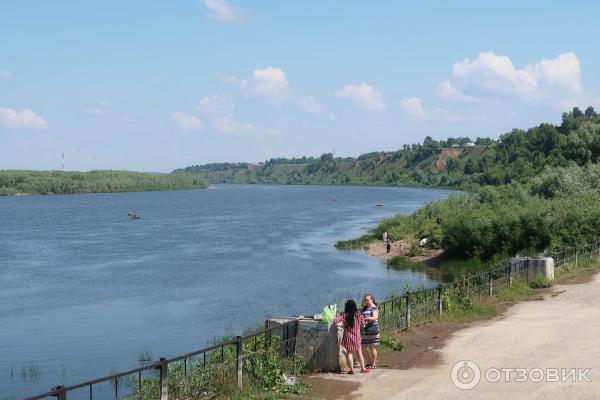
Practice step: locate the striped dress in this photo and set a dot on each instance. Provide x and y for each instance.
(372, 325)
(351, 338)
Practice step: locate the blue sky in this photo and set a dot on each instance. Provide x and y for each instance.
(157, 85)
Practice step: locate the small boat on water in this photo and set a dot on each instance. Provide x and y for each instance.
(133, 215)
(379, 205)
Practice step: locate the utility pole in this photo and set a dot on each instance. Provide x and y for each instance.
(63, 161)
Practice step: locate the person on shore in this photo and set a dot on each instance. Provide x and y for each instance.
(388, 246)
(385, 237)
(352, 321)
(372, 334)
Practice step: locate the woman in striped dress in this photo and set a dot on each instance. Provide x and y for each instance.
(352, 321)
(372, 334)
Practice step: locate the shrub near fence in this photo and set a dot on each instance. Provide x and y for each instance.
(263, 356)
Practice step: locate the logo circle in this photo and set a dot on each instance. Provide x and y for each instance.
(465, 375)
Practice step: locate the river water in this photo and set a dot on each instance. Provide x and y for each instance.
(84, 290)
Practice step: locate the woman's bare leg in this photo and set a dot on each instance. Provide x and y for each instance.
(365, 350)
(373, 355)
(361, 360)
(349, 361)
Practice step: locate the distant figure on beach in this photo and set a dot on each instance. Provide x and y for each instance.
(352, 321)
(388, 245)
(372, 334)
(385, 237)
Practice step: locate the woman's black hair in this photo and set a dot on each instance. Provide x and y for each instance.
(365, 308)
(350, 311)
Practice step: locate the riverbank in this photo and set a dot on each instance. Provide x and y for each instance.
(24, 183)
(426, 256)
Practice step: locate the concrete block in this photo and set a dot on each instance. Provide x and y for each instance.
(316, 342)
(535, 266)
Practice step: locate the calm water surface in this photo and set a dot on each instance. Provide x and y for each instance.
(84, 290)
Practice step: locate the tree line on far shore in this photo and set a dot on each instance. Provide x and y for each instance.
(14, 182)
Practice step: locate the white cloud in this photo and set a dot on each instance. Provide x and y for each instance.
(447, 91)
(227, 124)
(219, 109)
(103, 108)
(219, 104)
(187, 122)
(276, 133)
(563, 72)
(412, 106)
(310, 105)
(362, 95)
(5, 74)
(331, 116)
(271, 84)
(11, 118)
(492, 74)
(440, 114)
(223, 11)
(230, 79)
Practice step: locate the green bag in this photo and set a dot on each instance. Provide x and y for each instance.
(329, 312)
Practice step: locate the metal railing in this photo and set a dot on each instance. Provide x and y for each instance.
(223, 362)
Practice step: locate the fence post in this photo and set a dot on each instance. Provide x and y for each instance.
(408, 296)
(490, 284)
(440, 298)
(164, 379)
(527, 270)
(239, 360)
(510, 274)
(61, 393)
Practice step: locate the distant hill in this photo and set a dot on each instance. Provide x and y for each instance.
(516, 156)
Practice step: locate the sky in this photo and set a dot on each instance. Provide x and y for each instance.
(159, 85)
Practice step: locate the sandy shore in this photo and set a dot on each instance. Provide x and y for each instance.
(402, 248)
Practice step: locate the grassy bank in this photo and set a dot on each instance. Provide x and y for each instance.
(57, 182)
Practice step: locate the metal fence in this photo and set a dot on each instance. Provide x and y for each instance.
(199, 374)
(203, 372)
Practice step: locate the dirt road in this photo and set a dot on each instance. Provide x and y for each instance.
(541, 338)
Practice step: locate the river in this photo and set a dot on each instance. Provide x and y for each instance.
(84, 291)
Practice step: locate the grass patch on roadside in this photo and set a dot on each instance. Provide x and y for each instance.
(569, 271)
(462, 310)
(540, 282)
(260, 394)
(468, 311)
(517, 292)
(389, 341)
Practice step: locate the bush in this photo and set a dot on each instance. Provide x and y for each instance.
(389, 340)
(540, 281)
